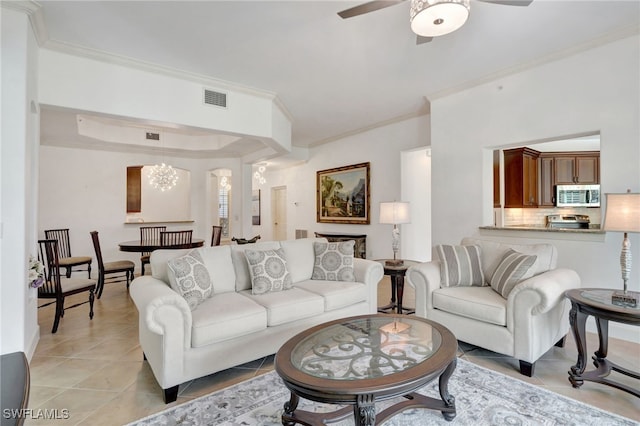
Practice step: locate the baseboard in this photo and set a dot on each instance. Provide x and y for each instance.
(626, 332)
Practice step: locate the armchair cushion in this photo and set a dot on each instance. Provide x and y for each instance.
(189, 277)
(460, 265)
(333, 261)
(513, 268)
(478, 303)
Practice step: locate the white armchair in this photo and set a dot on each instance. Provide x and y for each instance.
(527, 323)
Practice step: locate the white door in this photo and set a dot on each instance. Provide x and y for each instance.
(279, 212)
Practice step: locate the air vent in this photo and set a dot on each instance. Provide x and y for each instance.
(301, 233)
(153, 136)
(215, 98)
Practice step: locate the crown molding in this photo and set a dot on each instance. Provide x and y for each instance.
(34, 11)
(610, 37)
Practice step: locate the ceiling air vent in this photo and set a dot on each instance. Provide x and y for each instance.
(215, 98)
(153, 136)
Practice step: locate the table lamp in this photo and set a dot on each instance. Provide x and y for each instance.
(394, 213)
(623, 215)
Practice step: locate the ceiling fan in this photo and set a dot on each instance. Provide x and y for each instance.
(429, 18)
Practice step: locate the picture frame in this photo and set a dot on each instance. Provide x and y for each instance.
(343, 194)
(255, 207)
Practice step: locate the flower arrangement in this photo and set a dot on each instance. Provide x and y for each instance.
(36, 272)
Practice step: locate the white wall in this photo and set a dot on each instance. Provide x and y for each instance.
(415, 237)
(18, 318)
(381, 147)
(85, 190)
(593, 91)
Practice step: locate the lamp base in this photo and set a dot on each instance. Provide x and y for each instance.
(625, 298)
(394, 262)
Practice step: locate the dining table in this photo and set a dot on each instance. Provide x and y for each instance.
(138, 246)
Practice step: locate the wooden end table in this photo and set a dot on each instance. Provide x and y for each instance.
(396, 273)
(597, 302)
(361, 360)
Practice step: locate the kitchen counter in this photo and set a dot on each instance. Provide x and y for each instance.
(594, 229)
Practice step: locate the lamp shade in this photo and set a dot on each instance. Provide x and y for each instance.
(623, 212)
(395, 212)
(431, 18)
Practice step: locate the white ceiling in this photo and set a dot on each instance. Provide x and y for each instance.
(334, 76)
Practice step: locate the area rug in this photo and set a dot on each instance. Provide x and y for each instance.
(483, 397)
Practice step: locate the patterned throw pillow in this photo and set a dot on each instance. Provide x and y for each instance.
(460, 266)
(268, 269)
(513, 268)
(189, 277)
(334, 261)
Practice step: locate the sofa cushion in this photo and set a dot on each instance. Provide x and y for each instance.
(287, 306)
(493, 251)
(336, 294)
(333, 261)
(514, 268)
(460, 265)
(158, 261)
(218, 261)
(300, 257)
(240, 265)
(225, 316)
(269, 271)
(189, 277)
(479, 303)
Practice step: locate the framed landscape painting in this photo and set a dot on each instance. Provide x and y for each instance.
(342, 194)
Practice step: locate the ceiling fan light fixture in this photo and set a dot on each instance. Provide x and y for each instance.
(432, 18)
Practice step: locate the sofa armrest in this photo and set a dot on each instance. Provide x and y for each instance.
(162, 311)
(424, 278)
(548, 287)
(370, 273)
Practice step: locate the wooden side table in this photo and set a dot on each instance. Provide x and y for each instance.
(597, 302)
(396, 273)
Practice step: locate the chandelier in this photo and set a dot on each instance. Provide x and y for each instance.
(259, 174)
(163, 177)
(225, 183)
(432, 18)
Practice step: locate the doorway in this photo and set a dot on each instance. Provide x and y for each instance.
(279, 212)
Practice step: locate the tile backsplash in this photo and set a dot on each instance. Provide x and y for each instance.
(538, 216)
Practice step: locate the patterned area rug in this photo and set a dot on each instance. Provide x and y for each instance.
(483, 397)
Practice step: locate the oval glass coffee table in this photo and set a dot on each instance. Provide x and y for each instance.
(358, 361)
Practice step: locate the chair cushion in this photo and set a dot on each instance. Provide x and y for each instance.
(460, 265)
(75, 260)
(337, 294)
(189, 277)
(514, 268)
(269, 271)
(479, 303)
(287, 306)
(225, 316)
(118, 265)
(70, 284)
(333, 261)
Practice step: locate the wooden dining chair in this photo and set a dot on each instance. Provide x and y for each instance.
(176, 239)
(57, 287)
(67, 261)
(149, 235)
(216, 235)
(120, 270)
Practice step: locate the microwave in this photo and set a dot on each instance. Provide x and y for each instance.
(578, 196)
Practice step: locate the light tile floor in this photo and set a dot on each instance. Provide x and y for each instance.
(95, 369)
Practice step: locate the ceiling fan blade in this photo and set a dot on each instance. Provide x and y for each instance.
(367, 7)
(509, 2)
(422, 40)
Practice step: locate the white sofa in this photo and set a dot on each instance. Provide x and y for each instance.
(525, 325)
(233, 326)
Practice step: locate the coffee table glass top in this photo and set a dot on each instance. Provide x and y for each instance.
(364, 348)
(604, 297)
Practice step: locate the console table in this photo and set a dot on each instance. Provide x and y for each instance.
(360, 248)
(597, 302)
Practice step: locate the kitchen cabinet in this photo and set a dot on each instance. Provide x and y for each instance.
(546, 182)
(521, 177)
(577, 168)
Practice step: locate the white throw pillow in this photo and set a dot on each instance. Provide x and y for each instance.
(189, 277)
(334, 261)
(460, 266)
(269, 271)
(513, 268)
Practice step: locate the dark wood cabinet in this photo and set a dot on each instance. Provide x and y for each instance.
(360, 248)
(546, 183)
(577, 168)
(521, 177)
(134, 189)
